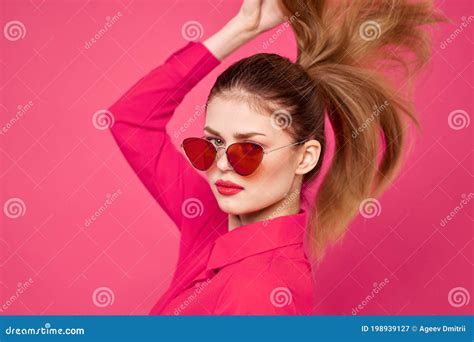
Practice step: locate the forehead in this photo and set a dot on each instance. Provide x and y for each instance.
(228, 115)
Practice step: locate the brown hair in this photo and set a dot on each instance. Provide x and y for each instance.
(341, 48)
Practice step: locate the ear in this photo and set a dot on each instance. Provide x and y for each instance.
(309, 156)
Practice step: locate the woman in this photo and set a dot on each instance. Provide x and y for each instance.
(247, 246)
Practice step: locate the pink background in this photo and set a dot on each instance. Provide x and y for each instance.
(62, 168)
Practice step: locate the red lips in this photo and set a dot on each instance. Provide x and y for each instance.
(227, 188)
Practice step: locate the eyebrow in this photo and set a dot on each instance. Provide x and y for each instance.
(236, 135)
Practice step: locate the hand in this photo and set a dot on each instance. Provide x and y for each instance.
(254, 17)
(258, 16)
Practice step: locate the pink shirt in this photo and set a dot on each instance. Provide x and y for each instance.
(258, 268)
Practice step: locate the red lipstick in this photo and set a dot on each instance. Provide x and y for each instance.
(227, 188)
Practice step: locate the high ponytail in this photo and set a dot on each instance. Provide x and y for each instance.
(343, 46)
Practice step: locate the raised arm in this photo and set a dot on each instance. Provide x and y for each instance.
(142, 113)
(141, 116)
(254, 17)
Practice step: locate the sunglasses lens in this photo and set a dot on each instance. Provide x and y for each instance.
(200, 152)
(244, 157)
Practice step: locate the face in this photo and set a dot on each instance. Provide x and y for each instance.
(229, 121)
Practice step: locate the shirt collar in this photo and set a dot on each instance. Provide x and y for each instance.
(258, 237)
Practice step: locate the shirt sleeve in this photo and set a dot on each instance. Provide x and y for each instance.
(140, 117)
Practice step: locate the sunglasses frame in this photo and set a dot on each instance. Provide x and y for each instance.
(227, 147)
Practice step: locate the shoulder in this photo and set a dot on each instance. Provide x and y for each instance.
(267, 285)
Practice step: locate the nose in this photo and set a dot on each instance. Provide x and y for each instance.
(222, 162)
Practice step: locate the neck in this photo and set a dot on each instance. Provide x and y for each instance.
(288, 205)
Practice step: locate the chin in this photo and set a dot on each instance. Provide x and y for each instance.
(233, 206)
(229, 206)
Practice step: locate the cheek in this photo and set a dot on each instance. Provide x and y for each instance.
(272, 179)
(211, 175)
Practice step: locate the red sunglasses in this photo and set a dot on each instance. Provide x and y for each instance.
(244, 157)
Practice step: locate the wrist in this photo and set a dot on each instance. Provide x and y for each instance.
(239, 32)
(233, 35)
(241, 29)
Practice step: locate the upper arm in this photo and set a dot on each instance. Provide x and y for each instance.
(140, 117)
